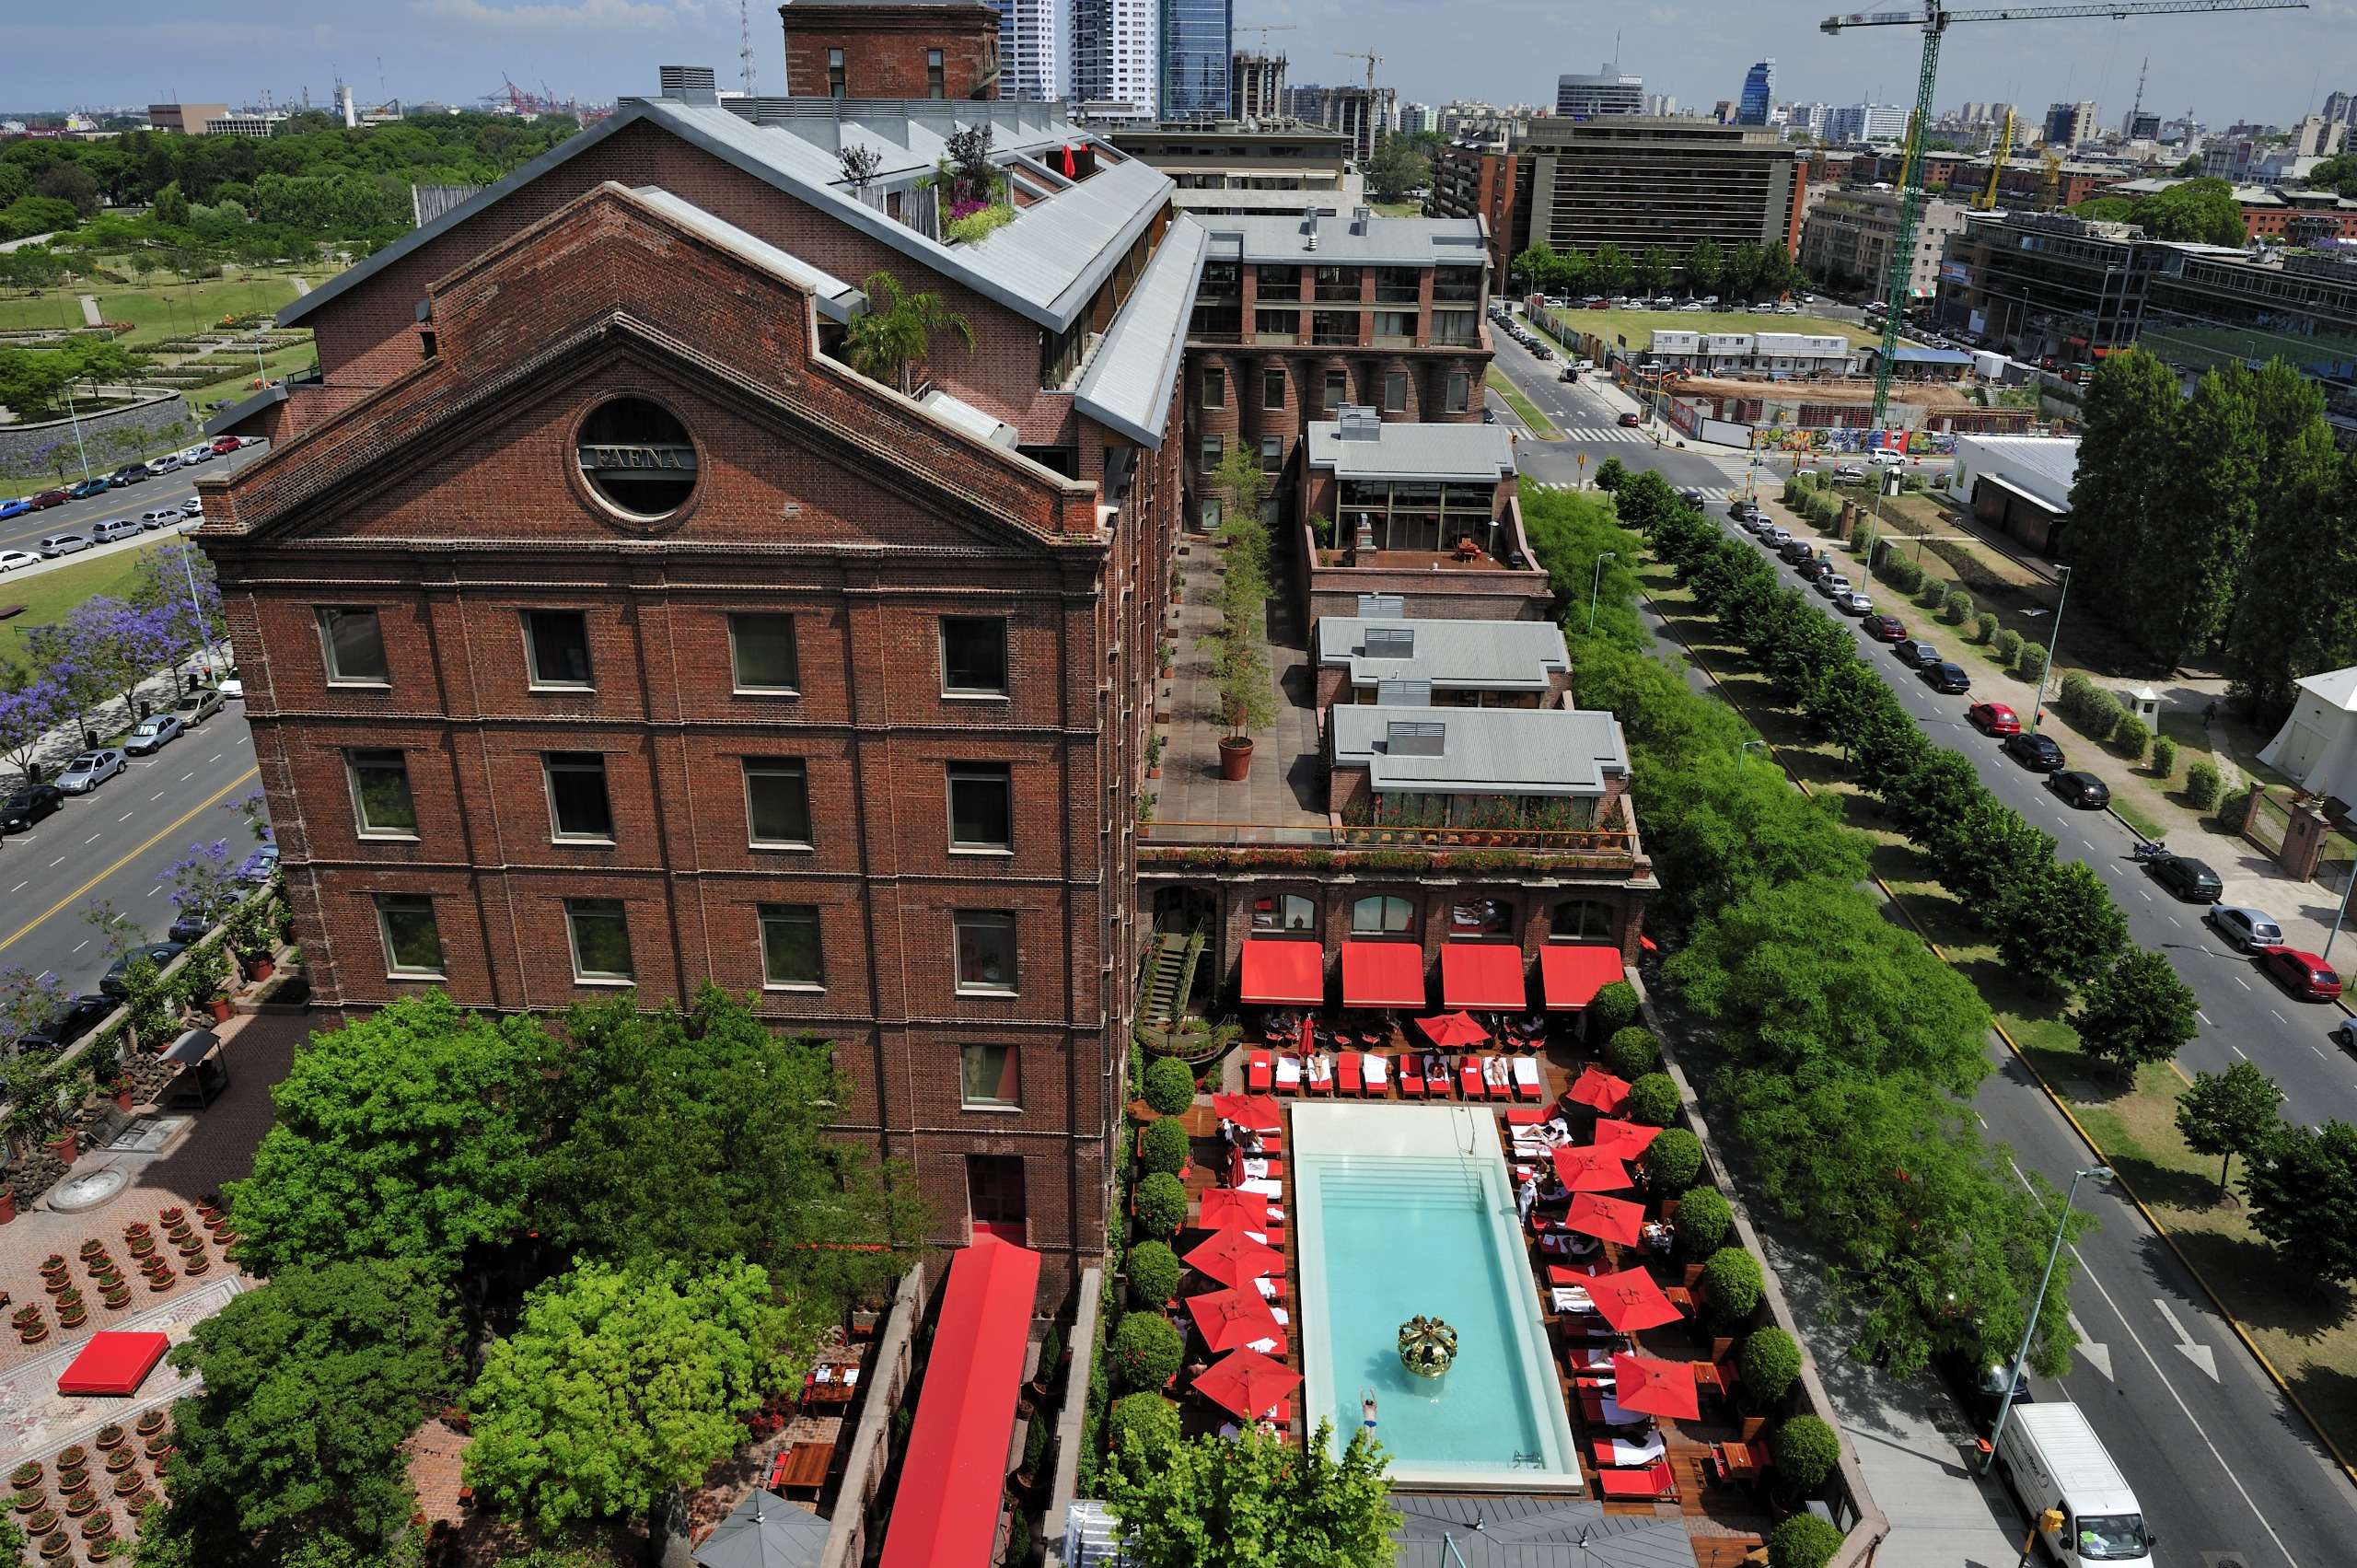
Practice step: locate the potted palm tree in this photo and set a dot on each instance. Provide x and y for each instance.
(896, 334)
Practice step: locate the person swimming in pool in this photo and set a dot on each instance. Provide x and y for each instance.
(1366, 1409)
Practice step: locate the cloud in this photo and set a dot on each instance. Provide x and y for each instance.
(536, 15)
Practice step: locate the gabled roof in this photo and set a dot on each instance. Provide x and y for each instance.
(1128, 382)
(1489, 655)
(1467, 452)
(1499, 750)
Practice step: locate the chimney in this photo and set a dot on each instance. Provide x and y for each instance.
(1361, 218)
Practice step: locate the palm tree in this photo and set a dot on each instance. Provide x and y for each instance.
(897, 331)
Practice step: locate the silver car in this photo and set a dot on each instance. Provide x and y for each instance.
(1854, 604)
(88, 771)
(153, 734)
(2245, 928)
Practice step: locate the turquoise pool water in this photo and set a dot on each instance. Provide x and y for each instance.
(1389, 1234)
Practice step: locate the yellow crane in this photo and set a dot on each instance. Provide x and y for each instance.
(2049, 192)
(1997, 156)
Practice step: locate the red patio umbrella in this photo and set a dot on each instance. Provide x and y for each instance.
(1623, 1140)
(1629, 1301)
(1453, 1032)
(1257, 1112)
(1232, 1318)
(1230, 1208)
(1586, 1171)
(1614, 1219)
(1598, 1089)
(1231, 1258)
(1655, 1387)
(1247, 1383)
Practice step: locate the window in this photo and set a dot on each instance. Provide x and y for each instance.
(577, 804)
(636, 455)
(986, 1078)
(777, 803)
(1582, 920)
(556, 648)
(355, 645)
(1396, 325)
(1382, 915)
(380, 799)
(1337, 390)
(1272, 454)
(1395, 392)
(600, 934)
(1272, 388)
(835, 84)
(790, 955)
(762, 651)
(412, 942)
(933, 85)
(1480, 917)
(1213, 446)
(973, 655)
(1215, 388)
(1454, 401)
(981, 806)
(1285, 911)
(985, 951)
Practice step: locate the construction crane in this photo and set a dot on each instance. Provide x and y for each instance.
(1934, 19)
(1997, 156)
(1265, 32)
(1372, 61)
(1907, 164)
(2050, 185)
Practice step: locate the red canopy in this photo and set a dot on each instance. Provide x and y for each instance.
(1231, 1319)
(1614, 1219)
(1231, 1258)
(1243, 1381)
(1572, 972)
(113, 1362)
(1230, 1208)
(1599, 1089)
(1383, 974)
(1453, 1031)
(1655, 1387)
(1586, 1170)
(1482, 974)
(1283, 973)
(1623, 1140)
(1257, 1112)
(1630, 1301)
(957, 1455)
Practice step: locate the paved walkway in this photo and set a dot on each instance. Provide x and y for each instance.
(302, 287)
(1286, 788)
(90, 316)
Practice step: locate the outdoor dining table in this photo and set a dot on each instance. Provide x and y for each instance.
(1709, 1379)
(803, 1468)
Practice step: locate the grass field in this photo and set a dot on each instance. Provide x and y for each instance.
(47, 597)
(1541, 425)
(1638, 326)
(157, 311)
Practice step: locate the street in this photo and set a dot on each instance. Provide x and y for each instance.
(77, 517)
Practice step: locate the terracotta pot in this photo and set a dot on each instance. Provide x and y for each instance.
(220, 1009)
(161, 1281)
(34, 1334)
(1235, 758)
(8, 1204)
(97, 1526)
(129, 1482)
(73, 1317)
(81, 1502)
(117, 1298)
(42, 1521)
(160, 1444)
(66, 1145)
(150, 1423)
(262, 969)
(54, 1547)
(197, 1265)
(92, 1247)
(110, 1437)
(119, 1460)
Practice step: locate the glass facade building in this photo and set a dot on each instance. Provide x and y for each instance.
(1195, 54)
(1759, 92)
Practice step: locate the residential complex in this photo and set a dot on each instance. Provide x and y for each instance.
(1034, 49)
(1847, 238)
(1256, 86)
(1193, 38)
(2068, 124)
(1364, 115)
(1116, 57)
(1229, 169)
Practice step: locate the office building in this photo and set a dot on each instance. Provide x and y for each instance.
(187, 119)
(2341, 107)
(1759, 93)
(2068, 124)
(1234, 169)
(1605, 92)
(1116, 59)
(1659, 104)
(1034, 49)
(1857, 124)
(1364, 116)
(846, 49)
(1256, 86)
(1847, 238)
(2318, 135)
(244, 122)
(1812, 118)
(1193, 35)
(2142, 126)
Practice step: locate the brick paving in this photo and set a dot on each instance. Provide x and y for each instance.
(1287, 785)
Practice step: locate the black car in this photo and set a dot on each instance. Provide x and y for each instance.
(1942, 676)
(1813, 568)
(29, 806)
(78, 1017)
(2034, 751)
(1915, 655)
(157, 952)
(1690, 496)
(1796, 550)
(130, 473)
(1742, 510)
(2188, 878)
(2082, 790)
(189, 928)
(1980, 1387)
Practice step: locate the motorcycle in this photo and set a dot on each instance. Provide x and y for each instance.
(2150, 852)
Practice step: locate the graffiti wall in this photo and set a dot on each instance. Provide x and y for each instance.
(1913, 443)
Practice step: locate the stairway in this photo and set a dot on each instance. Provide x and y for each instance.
(1166, 974)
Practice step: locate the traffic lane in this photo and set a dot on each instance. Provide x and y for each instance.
(77, 516)
(113, 842)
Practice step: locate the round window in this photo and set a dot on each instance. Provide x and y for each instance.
(638, 457)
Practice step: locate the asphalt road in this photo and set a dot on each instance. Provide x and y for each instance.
(77, 516)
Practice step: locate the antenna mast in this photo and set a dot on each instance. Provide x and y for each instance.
(745, 43)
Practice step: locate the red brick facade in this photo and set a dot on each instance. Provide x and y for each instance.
(835, 50)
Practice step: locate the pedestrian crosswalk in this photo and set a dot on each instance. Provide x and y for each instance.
(1606, 432)
(1709, 491)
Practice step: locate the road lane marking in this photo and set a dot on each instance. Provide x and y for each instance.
(91, 840)
(249, 740)
(2319, 1053)
(2241, 981)
(2179, 923)
(82, 944)
(2203, 1017)
(58, 862)
(2279, 1017)
(2147, 896)
(128, 856)
(124, 817)
(20, 887)
(156, 890)
(2193, 1350)
(157, 795)
(2098, 1355)
(2238, 1051)
(190, 775)
(216, 756)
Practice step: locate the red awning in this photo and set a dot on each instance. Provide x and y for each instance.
(1383, 974)
(1481, 974)
(113, 1362)
(1283, 973)
(1572, 972)
(946, 1511)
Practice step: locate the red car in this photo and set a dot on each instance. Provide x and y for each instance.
(1631, 420)
(48, 498)
(1885, 627)
(1994, 718)
(224, 447)
(2302, 974)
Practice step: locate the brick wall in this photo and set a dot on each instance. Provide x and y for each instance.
(883, 49)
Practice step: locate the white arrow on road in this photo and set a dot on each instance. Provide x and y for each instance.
(2098, 1355)
(2202, 1356)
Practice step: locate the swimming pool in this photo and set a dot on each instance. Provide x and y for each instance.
(1401, 1209)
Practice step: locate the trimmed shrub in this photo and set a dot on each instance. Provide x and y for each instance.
(1731, 1282)
(1615, 1007)
(1155, 1271)
(1162, 1204)
(1803, 1541)
(1633, 1053)
(1806, 1450)
(1035, 1444)
(2202, 781)
(1145, 1352)
(1932, 595)
(1769, 1362)
(1169, 1086)
(2009, 644)
(2031, 664)
(2164, 755)
(1674, 1159)
(1167, 1146)
(2075, 693)
(1955, 606)
(1985, 628)
(2129, 737)
(1900, 573)
(1652, 1099)
(1145, 1421)
(1704, 1219)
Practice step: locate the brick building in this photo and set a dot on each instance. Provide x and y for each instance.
(892, 49)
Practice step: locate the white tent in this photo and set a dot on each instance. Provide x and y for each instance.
(2316, 747)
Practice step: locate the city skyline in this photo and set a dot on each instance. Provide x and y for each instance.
(2225, 68)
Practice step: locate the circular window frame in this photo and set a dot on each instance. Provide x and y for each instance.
(643, 522)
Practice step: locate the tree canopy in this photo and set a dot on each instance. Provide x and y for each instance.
(1253, 1503)
(2303, 1188)
(2229, 1113)
(2136, 1012)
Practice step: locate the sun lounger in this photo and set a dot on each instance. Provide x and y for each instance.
(1274, 1344)
(1258, 1066)
(1469, 1077)
(1321, 1073)
(1436, 1075)
(1602, 1409)
(1497, 1077)
(1656, 1482)
(1620, 1452)
(1377, 1070)
(1270, 1289)
(1288, 1074)
(1271, 1189)
(1346, 1074)
(1524, 1115)
(1412, 1076)
(1526, 1086)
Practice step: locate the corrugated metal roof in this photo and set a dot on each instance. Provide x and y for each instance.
(837, 299)
(1416, 451)
(1392, 242)
(1533, 1532)
(1513, 655)
(1510, 750)
(1129, 381)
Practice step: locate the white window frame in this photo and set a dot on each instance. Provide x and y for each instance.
(360, 824)
(996, 919)
(573, 944)
(949, 804)
(762, 914)
(327, 613)
(550, 768)
(1005, 689)
(394, 967)
(533, 677)
(794, 646)
(778, 767)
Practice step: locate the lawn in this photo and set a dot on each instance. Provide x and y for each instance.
(1541, 425)
(238, 373)
(1638, 326)
(1398, 209)
(157, 311)
(47, 597)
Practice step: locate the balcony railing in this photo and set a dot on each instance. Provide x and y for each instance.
(1243, 842)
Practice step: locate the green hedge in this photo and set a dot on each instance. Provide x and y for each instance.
(1143, 1421)
(1806, 1450)
(1145, 1352)
(2009, 646)
(1169, 1086)
(1614, 1009)
(2031, 664)
(1770, 1363)
(2164, 755)
(1652, 1099)
(1631, 1053)
(1675, 1160)
(1167, 1146)
(1155, 1271)
(2202, 782)
(1732, 1283)
(1803, 1541)
(1162, 1204)
(1704, 1219)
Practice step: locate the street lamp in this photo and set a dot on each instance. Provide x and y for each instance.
(2037, 1305)
(1598, 587)
(2037, 709)
(1743, 753)
(75, 415)
(2339, 914)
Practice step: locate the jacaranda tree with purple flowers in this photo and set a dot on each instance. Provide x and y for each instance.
(29, 708)
(204, 882)
(103, 649)
(176, 584)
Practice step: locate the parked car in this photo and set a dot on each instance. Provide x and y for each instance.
(1886, 460)
(2188, 878)
(1992, 718)
(192, 507)
(29, 806)
(1795, 549)
(1849, 473)
(200, 453)
(233, 689)
(1788, 308)
(169, 463)
(153, 734)
(1832, 585)
(75, 1017)
(1853, 603)
(1630, 422)
(114, 528)
(189, 928)
(1915, 655)
(2082, 790)
(15, 508)
(257, 866)
(112, 984)
(1689, 495)
(12, 558)
(225, 446)
(2344, 1035)
(2034, 752)
(48, 498)
(2244, 928)
(1813, 568)
(159, 516)
(130, 473)
(2301, 972)
(59, 544)
(88, 771)
(1946, 677)
(1978, 1386)
(1886, 629)
(197, 706)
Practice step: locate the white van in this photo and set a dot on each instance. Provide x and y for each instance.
(2053, 1460)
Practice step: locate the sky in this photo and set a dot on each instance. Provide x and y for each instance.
(2267, 66)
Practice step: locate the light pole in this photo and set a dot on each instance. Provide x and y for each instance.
(1743, 753)
(2339, 914)
(2037, 709)
(2037, 1305)
(1598, 587)
(196, 608)
(74, 417)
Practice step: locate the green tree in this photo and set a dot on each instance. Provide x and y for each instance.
(1803, 1541)
(2338, 173)
(2229, 1113)
(1806, 1448)
(897, 332)
(2289, 621)
(1398, 169)
(2183, 582)
(311, 1383)
(1611, 270)
(396, 1136)
(619, 1386)
(1529, 265)
(2303, 1188)
(1705, 267)
(2057, 925)
(68, 181)
(2203, 212)
(1210, 1503)
(172, 206)
(1654, 269)
(1768, 1363)
(2137, 1011)
(1144, 1351)
(2130, 409)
